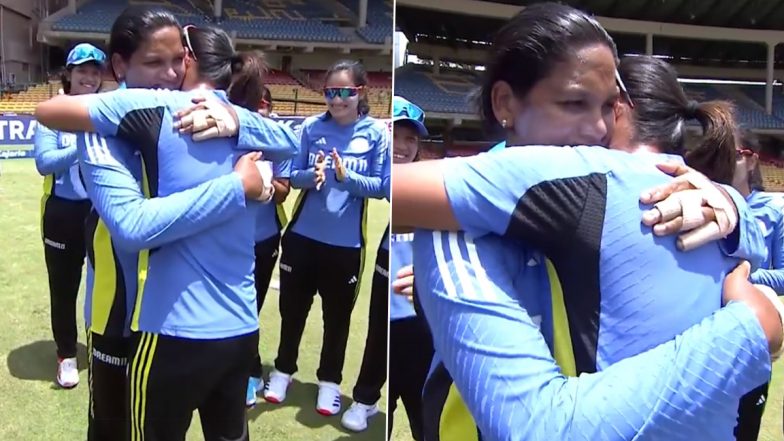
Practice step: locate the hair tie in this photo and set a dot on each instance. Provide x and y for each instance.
(692, 108)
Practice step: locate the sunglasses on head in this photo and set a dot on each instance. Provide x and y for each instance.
(188, 40)
(342, 92)
(410, 112)
(624, 92)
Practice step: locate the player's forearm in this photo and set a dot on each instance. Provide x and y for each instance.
(64, 112)
(138, 223)
(773, 278)
(282, 190)
(747, 241)
(303, 179)
(362, 186)
(420, 197)
(55, 161)
(256, 133)
(706, 371)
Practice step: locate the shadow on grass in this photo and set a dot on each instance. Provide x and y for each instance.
(37, 361)
(303, 397)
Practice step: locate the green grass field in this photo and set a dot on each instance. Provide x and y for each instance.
(33, 408)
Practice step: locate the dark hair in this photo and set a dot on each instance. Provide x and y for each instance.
(132, 28)
(749, 140)
(662, 109)
(359, 77)
(65, 77)
(409, 124)
(241, 74)
(527, 47)
(65, 80)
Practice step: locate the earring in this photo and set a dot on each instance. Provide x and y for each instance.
(503, 123)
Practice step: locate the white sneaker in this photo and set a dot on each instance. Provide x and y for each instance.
(275, 391)
(328, 402)
(67, 373)
(356, 417)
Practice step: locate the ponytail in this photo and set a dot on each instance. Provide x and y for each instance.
(247, 86)
(240, 74)
(714, 156)
(662, 110)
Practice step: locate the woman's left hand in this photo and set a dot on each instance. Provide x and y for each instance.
(691, 203)
(340, 169)
(404, 283)
(207, 119)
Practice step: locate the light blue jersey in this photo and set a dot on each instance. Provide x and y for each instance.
(486, 333)
(55, 158)
(498, 147)
(337, 213)
(746, 242)
(386, 177)
(113, 181)
(767, 208)
(401, 255)
(108, 304)
(200, 286)
(586, 217)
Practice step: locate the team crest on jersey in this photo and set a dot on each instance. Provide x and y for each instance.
(358, 146)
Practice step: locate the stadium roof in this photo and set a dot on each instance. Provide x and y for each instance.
(459, 29)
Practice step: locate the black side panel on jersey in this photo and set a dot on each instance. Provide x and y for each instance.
(142, 129)
(564, 218)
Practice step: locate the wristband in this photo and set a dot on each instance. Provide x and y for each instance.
(265, 170)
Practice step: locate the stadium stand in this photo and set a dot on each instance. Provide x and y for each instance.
(450, 90)
(291, 20)
(294, 92)
(290, 97)
(446, 92)
(379, 20)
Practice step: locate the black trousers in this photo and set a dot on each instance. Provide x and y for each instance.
(750, 414)
(410, 354)
(373, 373)
(171, 377)
(266, 258)
(63, 230)
(109, 412)
(308, 266)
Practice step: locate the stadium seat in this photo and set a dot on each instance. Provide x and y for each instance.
(447, 92)
(295, 20)
(379, 20)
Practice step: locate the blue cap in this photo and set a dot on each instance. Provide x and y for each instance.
(403, 109)
(84, 52)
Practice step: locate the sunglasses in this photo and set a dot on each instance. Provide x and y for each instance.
(741, 153)
(188, 40)
(624, 91)
(342, 92)
(409, 112)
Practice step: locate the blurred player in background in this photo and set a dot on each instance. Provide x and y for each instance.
(64, 210)
(339, 166)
